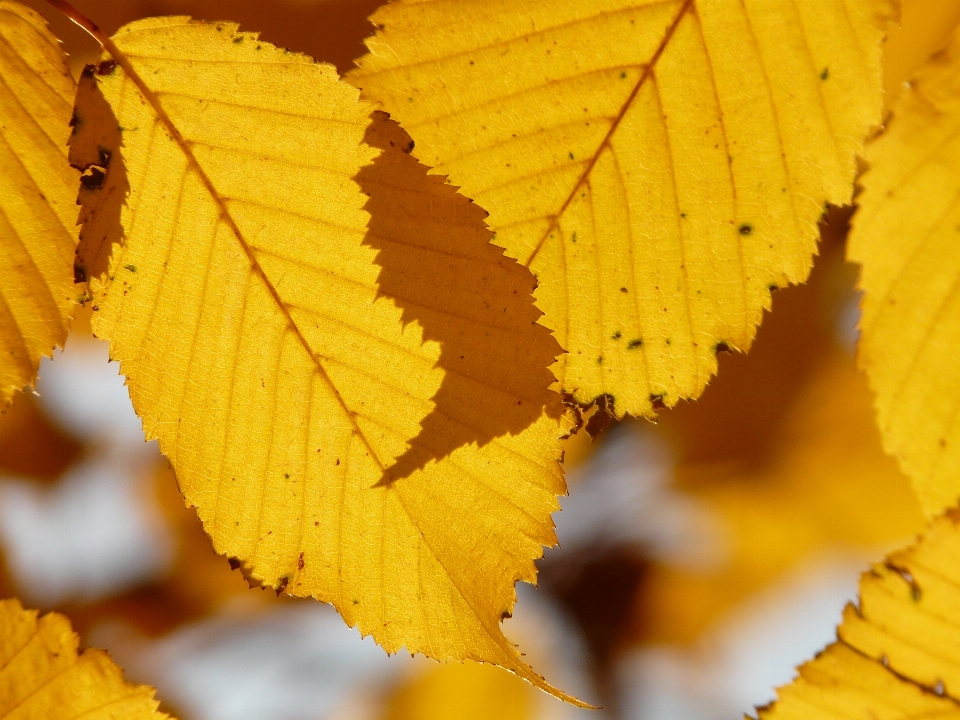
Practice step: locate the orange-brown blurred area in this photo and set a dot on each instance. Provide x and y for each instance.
(701, 558)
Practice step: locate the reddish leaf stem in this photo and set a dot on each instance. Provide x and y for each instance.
(81, 20)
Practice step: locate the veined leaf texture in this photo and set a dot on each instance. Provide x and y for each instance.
(906, 236)
(330, 443)
(896, 656)
(38, 190)
(43, 676)
(659, 165)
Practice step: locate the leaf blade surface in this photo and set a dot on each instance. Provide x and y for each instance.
(904, 236)
(658, 165)
(42, 675)
(896, 655)
(38, 190)
(281, 381)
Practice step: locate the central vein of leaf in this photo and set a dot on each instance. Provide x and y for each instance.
(164, 118)
(647, 73)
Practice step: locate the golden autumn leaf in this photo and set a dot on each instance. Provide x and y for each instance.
(905, 237)
(466, 692)
(896, 655)
(658, 165)
(347, 377)
(43, 676)
(925, 28)
(38, 212)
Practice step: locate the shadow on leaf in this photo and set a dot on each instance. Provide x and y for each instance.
(95, 151)
(439, 266)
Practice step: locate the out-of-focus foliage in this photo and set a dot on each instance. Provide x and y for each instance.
(468, 692)
(924, 28)
(658, 165)
(43, 676)
(905, 236)
(828, 485)
(896, 654)
(37, 193)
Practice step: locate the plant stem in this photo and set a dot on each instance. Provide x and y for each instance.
(81, 20)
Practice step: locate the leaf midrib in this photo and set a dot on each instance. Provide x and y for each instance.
(227, 218)
(621, 113)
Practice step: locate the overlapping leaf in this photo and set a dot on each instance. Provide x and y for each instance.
(330, 444)
(43, 676)
(906, 236)
(38, 190)
(898, 651)
(659, 165)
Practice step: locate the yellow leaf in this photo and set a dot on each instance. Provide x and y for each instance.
(42, 676)
(386, 443)
(38, 190)
(905, 237)
(658, 165)
(925, 28)
(465, 692)
(897, 652)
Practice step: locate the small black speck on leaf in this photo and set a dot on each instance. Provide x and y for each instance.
(623, 290)
(617, 335)
(106, 67)
(634, 344)
(571, 155)
(746, 229)
(238, 39)
(825, 73)
(131, 268)
(721, 347)
(623, 74)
